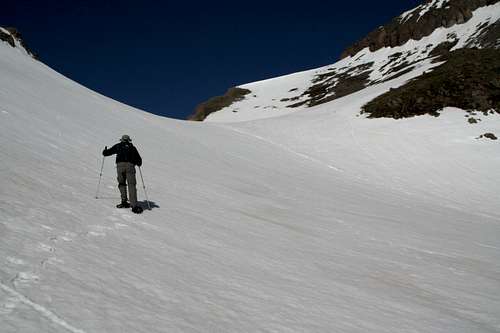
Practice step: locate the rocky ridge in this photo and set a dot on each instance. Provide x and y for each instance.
(417, 23)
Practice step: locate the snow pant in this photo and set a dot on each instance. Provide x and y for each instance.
(126, 175)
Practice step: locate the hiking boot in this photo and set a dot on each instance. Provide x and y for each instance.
(137, 209)
(124, 204)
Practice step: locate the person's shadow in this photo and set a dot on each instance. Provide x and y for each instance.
(144, 204)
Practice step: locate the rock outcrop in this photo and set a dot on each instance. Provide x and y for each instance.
(219, 102)
(7, 37)
(418, 23)
(11, 35)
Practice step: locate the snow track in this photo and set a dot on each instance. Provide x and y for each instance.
(285, 148)
(49, 315)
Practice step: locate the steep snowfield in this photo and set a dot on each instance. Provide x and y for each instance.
(271, 98)
(320, 221)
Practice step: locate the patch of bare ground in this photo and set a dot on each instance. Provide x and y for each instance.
(469, 79)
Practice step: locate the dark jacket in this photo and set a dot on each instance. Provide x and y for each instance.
(125, 152)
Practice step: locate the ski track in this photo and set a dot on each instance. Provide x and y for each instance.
(283, 147)
(40, 309)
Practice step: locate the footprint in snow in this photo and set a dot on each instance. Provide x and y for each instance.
(98, 230)
(127, 217)
(24, 278)
(67, 236)
(15, 261)
(46, 248)
(96, 233)
(51, 261)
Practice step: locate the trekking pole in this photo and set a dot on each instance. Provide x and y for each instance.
(144, 187)
(100, 176)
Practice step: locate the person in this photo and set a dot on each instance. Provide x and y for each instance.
(127, 157)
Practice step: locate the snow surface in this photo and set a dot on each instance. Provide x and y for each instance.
(318, 221)
(428, 6)
(422, 9)
(265, 99)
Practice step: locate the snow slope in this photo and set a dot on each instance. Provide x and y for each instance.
(313, 222)
(271, 98)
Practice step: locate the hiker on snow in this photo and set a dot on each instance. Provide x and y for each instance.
(127, 157)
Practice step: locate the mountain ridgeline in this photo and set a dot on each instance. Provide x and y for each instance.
(418, 23)
(455, 35)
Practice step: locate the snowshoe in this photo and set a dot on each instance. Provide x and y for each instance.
(137, 209)
(124, 204)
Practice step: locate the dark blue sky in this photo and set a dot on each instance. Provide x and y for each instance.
(166, 57)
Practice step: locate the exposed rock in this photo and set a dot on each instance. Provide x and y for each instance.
(332, 85)
(469, 80)
(399, 31)
(442, 48)
(219, 102)
(489, 37)
(7, 38)
(14, 35)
